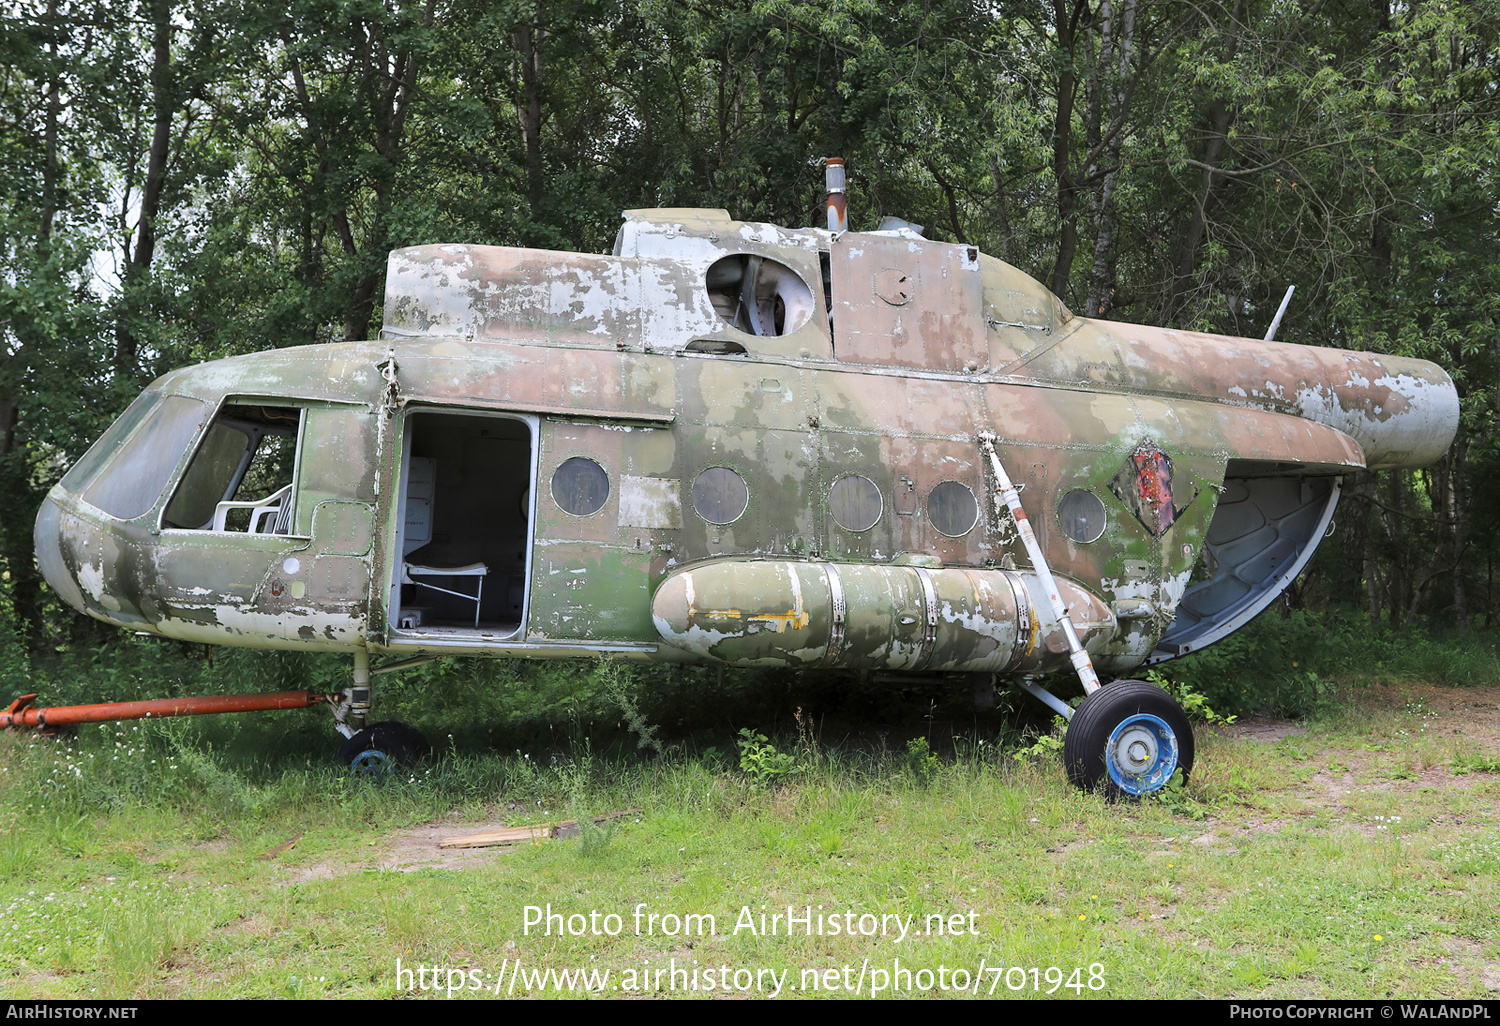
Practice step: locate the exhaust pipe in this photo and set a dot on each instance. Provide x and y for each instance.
(838, 204)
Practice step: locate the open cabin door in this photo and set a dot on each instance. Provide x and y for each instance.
(464, 538)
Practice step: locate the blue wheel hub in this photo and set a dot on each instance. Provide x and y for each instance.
(373, 764)
(1141, 755)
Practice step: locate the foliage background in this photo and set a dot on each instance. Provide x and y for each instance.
(182, 180)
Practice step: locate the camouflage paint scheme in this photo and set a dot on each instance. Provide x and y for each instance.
(623, 358)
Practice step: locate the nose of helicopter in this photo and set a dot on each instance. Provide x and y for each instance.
(47, 539)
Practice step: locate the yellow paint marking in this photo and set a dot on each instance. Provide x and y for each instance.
(792, 618)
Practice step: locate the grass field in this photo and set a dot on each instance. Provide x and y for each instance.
(1355, 854)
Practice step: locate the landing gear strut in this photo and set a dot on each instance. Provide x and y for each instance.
(1128, 736)
(374, 751)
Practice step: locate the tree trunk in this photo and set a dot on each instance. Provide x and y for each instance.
(1352, 576)
(1102, 276)
(1457, 509)
(164, 104)
(1007, 234)
(1400, 588)
(1438, 484)
(1062, 148)
(1220, 117)
(20, 559)
(529, 106)
(50, 168)
(394, 93)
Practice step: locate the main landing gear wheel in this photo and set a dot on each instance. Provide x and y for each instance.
(1130, 738)
(380, 747)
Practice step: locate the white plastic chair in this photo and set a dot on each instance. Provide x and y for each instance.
(270, 515)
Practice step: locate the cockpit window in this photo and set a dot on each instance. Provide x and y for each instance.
(241, 477)
(82, 472)
(136, 471)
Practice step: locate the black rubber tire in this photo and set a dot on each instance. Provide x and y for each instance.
(1094, 722)
(403, 743)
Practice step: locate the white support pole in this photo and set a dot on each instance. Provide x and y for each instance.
(1006, 493)
(1046, 697)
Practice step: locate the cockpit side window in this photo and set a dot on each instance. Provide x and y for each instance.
(136, 472)
(241, 477)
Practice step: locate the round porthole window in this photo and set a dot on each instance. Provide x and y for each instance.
(855, 503)
(952, 509)
(580, 486)
(1081, 514)
(720, 495)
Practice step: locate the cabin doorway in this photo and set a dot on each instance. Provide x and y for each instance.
(463, 539)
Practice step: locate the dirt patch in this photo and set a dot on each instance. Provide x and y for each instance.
(1257, 728)
(417, 848)
(408, 851)
(218, 843)
(1477, 710)
(1473, 713)
(1421, 739)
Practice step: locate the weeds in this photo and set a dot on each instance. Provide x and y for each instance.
(807, 741)
(1176, 799)
(1195, 705)
(1472, 857)
(1470, 763)
(594, 838)
(1045, 747)
(920, 760)
(1297, 664)
(762, 762)
(615, 680)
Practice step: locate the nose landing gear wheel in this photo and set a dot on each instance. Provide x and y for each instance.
(372, 763)
(380, 747)
(1129, 738)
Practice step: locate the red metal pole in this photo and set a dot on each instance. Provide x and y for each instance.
(21, 713)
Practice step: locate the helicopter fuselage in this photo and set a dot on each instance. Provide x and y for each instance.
(729, 442)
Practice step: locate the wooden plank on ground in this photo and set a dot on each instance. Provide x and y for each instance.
(527, 834)
(283, 846)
